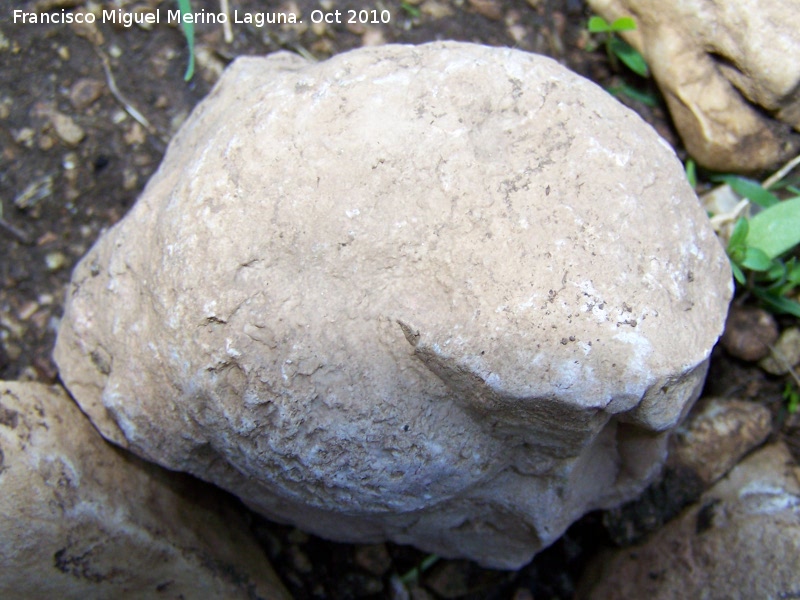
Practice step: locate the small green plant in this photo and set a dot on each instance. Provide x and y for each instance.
(412, 10)
(185, 7)
(620, 51)
(616, 47)
(792, 396)
(691, 172)
(412, 576)
(760, 247)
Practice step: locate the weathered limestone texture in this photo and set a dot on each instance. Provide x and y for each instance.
(729, 71)
(448, 295)
(81, 519)
(741, 540)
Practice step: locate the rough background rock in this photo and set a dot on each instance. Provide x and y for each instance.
(741, 540)
(81, 519)
(729, 71)
(426, 294)
(749, 333)
(785, 354)
(717, 433)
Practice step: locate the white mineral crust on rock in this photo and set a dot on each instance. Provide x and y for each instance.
(447, 295)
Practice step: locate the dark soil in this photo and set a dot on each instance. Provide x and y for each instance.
(86, 113)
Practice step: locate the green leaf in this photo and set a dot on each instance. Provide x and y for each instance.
(777, 273)
(792, 397)
(410, 9)
(598, 25)
(736, 243)
(776, 229)
(623, 24)
(778, 304)
(691, 172)
(756, 260)
(793, 271)
(747, 188)
(646, 98)
(737, 272)
(629, 55)
(185, 7)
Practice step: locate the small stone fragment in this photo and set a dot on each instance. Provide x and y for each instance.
(85, 92)
(785, 354)
(490, 9)
(135, 135)
(717, 434)
(373, 558)
(24, 136)
(448, 579)
(70, 132)
(435, 9)
(55, 260)
(749, 333)
(373, 36)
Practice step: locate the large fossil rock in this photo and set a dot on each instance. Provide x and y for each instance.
(81, 519)
(447, 295)
(729, 71)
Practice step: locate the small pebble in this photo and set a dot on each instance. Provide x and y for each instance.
(46, 142)
(785, 353)
(24, 136)
(85, 92)
(299, 559)
(70, 132)
(374, 559)
(749, 332)
(27, 310)
(55, 261)
(487, 8)
(717, 434)
(448, 579)
(135, 135)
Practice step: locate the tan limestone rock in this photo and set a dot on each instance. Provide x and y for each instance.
(740, 540)
(80, 518)
(729, 71)
(447, 295)
(717, 434)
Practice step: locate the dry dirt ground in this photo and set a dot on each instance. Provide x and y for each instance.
(86, 112)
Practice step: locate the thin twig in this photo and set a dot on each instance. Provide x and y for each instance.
(129, 108)
(781, 173)
(17, 234)
(226, 24)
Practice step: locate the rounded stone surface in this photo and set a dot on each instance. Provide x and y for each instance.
(445, 294)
